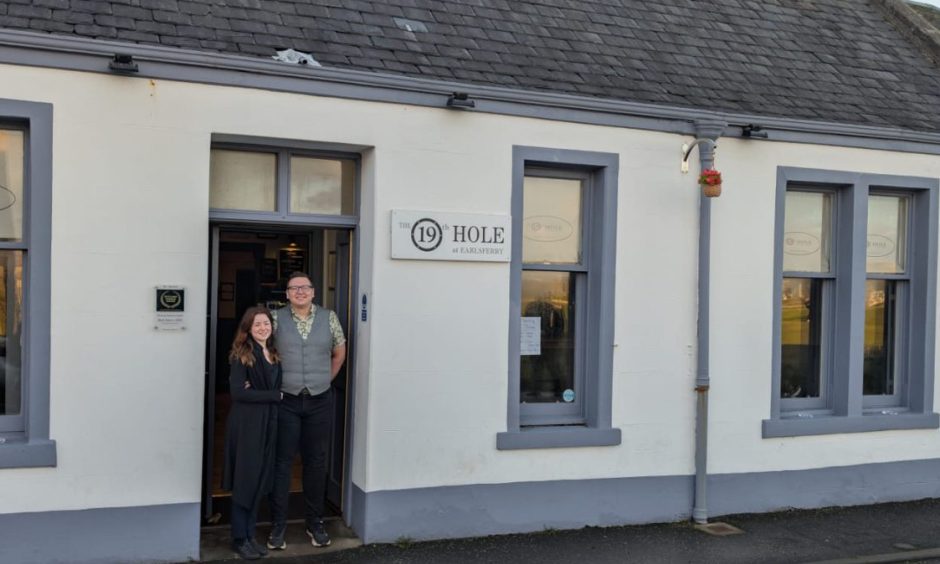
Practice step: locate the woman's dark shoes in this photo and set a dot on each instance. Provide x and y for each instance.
(259, 548)
(245, 551)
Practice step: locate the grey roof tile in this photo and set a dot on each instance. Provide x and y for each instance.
(96, 31)
(136, 36)
(26, 11)
(62, 4)
(125, 11)
(51, 25)
(195, 8)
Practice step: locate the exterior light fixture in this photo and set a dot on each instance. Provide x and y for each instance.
(687, 151)
(123, 63)
(460, 101)
(751, 131)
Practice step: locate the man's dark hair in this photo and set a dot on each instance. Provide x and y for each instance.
(298, 274)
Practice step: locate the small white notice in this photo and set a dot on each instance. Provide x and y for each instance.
(430, 235)
(531, 342)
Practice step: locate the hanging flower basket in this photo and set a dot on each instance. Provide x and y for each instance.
(710, 181)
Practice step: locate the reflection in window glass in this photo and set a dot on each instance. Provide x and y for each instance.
(11, 184)
(550, 297)
(11, 300)
(324, 186)
(887, 234)
(551, 229)
(800, 337)
(242, 180)
(880, 301)
(807, 232)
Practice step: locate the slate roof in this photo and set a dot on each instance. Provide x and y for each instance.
(827, 60)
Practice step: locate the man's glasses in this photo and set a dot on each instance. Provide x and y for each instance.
(304, 288)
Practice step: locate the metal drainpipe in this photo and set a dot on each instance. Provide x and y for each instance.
(704, 129)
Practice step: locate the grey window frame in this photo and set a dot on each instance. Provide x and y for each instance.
(819, 406)
(284, 149)
(566, 413)
(846, 410)
(28, 443)
(595, 332)
(903, 303)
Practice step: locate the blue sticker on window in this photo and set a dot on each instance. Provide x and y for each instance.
(568, 395)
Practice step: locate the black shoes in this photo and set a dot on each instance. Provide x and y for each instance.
(276, 538)
(318, 535)
(259, 548)
(316, 532)
(245, 550)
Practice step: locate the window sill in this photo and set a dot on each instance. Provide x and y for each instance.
(27, 454)
(798, 427)
(557, 437)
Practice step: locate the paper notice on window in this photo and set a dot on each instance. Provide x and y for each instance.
(531, 342)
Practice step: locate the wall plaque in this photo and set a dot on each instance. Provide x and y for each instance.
(170, 308)
(427, 235)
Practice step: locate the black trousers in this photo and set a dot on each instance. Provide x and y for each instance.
(304, 423)
(244, 520)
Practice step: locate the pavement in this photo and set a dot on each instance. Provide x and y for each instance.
(891, 532)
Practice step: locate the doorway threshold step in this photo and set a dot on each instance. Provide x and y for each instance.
(216, 542)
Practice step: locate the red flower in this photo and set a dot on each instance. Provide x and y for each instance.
(710, 177)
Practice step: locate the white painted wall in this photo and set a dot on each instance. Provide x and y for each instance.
(130, 211)
(742, 322)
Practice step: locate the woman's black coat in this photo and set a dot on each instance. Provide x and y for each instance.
(251, 435)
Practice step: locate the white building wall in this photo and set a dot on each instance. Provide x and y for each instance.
(130, 209)
(741, 314)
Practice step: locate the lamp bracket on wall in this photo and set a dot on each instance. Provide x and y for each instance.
(752, 131)
(123, 63)
(687, 150)
(460, 101)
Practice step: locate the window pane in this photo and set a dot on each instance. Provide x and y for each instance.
(549, 296)
(242, 180)
(551, 231)
(880, 305)
(800, 338)
(11, 184)
(11, 300)
(807, 232)
(887, 233)
(322, 186)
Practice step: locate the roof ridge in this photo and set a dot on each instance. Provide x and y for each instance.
(912, 25)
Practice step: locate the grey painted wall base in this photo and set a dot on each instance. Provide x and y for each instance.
(487, 509)
(159, 533)
(824, 487)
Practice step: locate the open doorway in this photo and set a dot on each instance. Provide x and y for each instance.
(249, 266)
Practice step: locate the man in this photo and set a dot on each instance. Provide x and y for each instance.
(310, 342)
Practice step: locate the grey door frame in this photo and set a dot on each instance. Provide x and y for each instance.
(216, 225)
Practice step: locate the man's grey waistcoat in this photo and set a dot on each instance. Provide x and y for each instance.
(305, 364)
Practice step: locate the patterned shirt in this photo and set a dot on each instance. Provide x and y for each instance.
(304, 325)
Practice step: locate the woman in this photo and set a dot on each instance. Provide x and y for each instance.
(255, 383)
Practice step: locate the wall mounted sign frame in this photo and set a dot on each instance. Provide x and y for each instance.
(431, 235)
(170, 308)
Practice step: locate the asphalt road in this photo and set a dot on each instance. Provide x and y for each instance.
(905, 532)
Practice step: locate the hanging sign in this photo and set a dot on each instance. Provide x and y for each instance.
(170, 308)
(425, 235)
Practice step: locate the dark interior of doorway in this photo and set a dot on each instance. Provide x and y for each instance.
(251, 268)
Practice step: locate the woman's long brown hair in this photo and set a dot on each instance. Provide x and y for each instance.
(242, 345)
